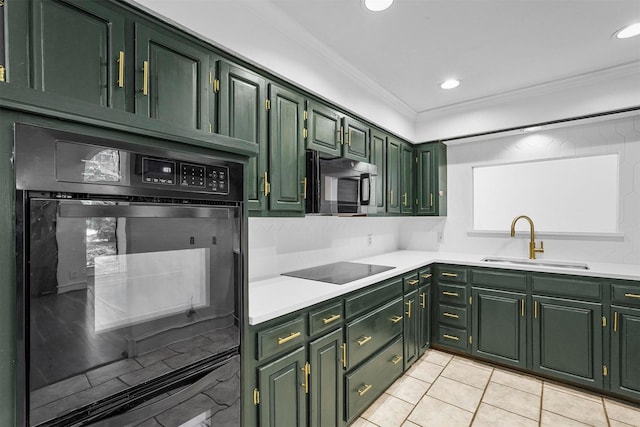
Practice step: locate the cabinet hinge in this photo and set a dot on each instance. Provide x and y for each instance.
(470, 300)
(604, 321)
(2, 69)
(306, 115)
(304, 133)
(267, 105)
(256, 396)
(216, 86)
(604, 370)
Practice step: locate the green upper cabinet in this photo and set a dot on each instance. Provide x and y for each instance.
(394, 152)
(378, 157)
(78, 50)
(431, 179)
(356, 139)
(172, 79)
(407, 168)
(286, 150)
(241, 96)
(333, 133)
(325, 131)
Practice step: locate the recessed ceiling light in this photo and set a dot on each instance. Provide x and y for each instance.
(628, 31)
(450, 84)
(377, 5)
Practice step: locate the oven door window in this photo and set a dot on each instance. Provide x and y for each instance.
(121, 293)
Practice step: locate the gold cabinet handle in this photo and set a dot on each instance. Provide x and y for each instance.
(522, 307)
(632, 295)
(307, 370)
(413, 282)
(145, 78)
(451, 337)
(409, 308)
(266, 186)
(363, 390)
(331, 319)
(364, 340)
(344, 355)
(615, 321)
(3, 72)
(451, 315)
(121, 69)
(292, 336)
(445, 274)
(304, 186)
(430, 199)
(450, 294)
(535, 309)
(396, 360)
(404, 199)
(341, 133)
(396, 319)
(426, 276)
(256, 396)
(349, 138)
(423, 300)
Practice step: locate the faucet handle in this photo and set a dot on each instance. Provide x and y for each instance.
(541, 249)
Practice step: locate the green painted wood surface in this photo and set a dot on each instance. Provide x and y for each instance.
(407, 176)
(378, 156)
(324, 128)
(424, 320)
(356, 139)
(411, 319)
(326, 393)
(425, 180)
(625, 351)
(393, 175)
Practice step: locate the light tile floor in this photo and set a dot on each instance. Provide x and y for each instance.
(441, 389)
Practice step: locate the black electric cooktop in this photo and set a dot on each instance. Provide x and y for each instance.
(338, 273)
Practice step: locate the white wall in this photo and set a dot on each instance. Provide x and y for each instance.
(621, 136)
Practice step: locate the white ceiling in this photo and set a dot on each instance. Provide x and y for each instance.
(494, 47)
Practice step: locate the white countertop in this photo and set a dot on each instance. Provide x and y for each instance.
(280, 295)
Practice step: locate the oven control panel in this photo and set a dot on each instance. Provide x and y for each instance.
(162, 172)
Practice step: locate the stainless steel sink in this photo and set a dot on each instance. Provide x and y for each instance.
(538, 262)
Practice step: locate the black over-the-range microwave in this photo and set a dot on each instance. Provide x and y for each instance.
(339, 186)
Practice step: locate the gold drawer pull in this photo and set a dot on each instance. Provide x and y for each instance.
(451, 337)
(615, 321)
(632, 295)
(293, 335)
(413, 282)
(331, 319)
(453, 316)
(426, 276)
(396, 360)
(396, 319)
(366, 388)
(364, 340)
(450, 274)
(450, 294)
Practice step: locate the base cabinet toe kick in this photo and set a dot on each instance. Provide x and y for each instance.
(326, 364)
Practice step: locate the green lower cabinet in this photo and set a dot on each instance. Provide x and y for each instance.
(625, 351)
(567, 340)
(424, 318)
(283, 401)
(499, 326)
(411, 316)
(326, 403)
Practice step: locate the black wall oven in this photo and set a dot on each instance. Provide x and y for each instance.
(130, 282)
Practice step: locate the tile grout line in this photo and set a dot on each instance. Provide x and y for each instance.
(484, 391)
(541, 401)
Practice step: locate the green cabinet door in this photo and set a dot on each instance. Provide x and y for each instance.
(76, 48)
(242, 114)
(411, 317)
(172, 79)
(378, 157)
(283, 401)
(407, 168)
(431, 179)
(499, 326)
(324, 129)
(424, 318)
(326, 402)
(567, 339)
(286, 150)
(393, 175)
(356, 143)
(625, 351)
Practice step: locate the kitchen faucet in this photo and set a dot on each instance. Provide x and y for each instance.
(532, 243)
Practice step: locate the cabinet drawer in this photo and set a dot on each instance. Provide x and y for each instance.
(452, 274)
(499, 279)
(566, 286)
(369, 299)
(325, 318)
(454, 316)
(369, 333)
(452, 337)
(452, 294)
(366, 383)
(410, 282)
(424, 275)
(626, 294)
(281, 337)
